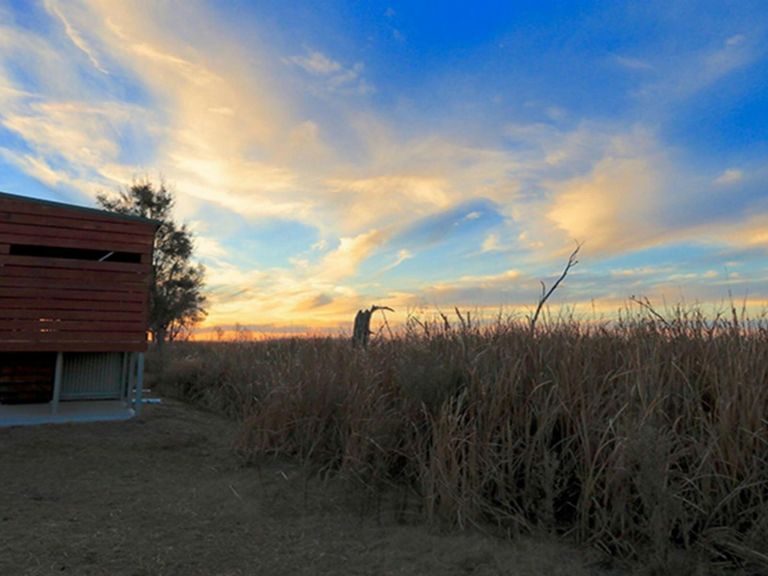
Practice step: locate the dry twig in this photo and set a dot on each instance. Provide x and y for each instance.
(545, 294)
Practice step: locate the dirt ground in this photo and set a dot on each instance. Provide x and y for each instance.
(165, 494)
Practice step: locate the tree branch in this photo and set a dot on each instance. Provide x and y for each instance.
(545, 294)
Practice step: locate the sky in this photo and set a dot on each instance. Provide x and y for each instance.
(421, 155)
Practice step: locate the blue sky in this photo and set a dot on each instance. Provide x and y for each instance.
(422, 155)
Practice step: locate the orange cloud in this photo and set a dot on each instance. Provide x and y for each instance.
(618, 205)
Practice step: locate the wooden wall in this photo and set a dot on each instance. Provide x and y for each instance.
(55, 293)
(26, 377)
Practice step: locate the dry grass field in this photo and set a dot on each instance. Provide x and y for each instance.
(645, 438)
(165, 495)
(639, 447)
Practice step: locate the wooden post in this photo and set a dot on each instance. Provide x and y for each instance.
(361, 332)
(139, 383)
(57, 375)
(132, 380)
(125, 396)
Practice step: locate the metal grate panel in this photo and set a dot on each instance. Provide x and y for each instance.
(92, 376)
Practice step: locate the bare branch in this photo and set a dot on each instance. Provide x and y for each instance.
(645, 303)
(545, 294)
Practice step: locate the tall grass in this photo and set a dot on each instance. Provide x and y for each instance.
(642, 437)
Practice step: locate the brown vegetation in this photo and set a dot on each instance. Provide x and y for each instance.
(644, 437)
(164, 495)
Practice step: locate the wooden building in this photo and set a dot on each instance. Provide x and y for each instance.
(74, 302)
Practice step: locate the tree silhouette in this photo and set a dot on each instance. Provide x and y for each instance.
(176, 294)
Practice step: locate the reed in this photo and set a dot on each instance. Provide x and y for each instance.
(643, 436)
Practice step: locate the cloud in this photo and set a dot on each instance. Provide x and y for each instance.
(639, 272)
(83, 134)
(238, 125)
(209, 248)
(33, 165)
(402, 256)
(751, 231)
(320, 292)
(623, 202)
(632, 63)
(336, 77)
(491, 243)
(730, 176)
(313, 295)
(342, 262)
(688, 72)
(490, 278)
(75, 36)
(688, 276)
(315, 302)
(613, 208)
(387, 198)
(316, 63)
(489, 292)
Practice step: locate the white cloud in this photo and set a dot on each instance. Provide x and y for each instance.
(688, 276)
(402, 256)
(491, 243)
(617, 206)
(75, 36)
(316, 63)
(689, 72)
(336, 77)
(38, 168)
(751, 231)
(208, 247)
(219, 124)
(319, 245)
(490, 278)
(730, 176)
(388, 198)
(639, 272)
(343, 262)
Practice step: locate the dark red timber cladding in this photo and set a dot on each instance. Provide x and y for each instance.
(72, 279)
(26, 377)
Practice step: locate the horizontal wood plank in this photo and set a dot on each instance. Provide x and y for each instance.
(69, 264)
(22, 374)
(75, 336)
(99, 284)
(114, 226)
(97, 346)
(24, 206)
(78, 241)
(7, 314)
(57, 325)
(52, 305)
(54, 274)
(96, 237)
(59, 294)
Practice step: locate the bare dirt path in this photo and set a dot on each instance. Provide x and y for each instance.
(164, 494)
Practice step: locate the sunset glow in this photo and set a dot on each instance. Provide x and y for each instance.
(424, 156)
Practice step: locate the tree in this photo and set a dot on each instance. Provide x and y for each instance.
(362, 329)
(176, 299)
